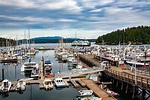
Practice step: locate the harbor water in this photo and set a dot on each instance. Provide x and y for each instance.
(33, 92)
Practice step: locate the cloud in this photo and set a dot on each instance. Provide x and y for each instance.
(68, 16)
(96, 10)
(68, 5)
(94, 3)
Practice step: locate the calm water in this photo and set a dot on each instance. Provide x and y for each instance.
(32, 92)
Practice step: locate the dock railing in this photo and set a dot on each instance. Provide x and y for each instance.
(143, 82)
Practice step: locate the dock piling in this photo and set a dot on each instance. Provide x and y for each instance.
(3, 74)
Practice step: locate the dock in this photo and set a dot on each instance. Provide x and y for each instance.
(74, 83)
(97, 90)
(81, 83)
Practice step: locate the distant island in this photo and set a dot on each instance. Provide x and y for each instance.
(52, 39)
(135, 35)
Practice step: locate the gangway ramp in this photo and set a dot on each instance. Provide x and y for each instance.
(78, 72)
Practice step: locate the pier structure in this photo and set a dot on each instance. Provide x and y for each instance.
(138, 85)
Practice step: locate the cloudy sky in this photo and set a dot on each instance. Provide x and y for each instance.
(85, 18)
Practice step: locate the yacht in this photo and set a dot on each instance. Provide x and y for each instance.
(6, 85)
(48, 84)
(29, 66)
(136, 63)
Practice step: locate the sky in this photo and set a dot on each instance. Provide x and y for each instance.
(70, 18)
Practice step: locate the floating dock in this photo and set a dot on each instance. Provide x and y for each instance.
(97, 90)
(81, 83)
(74, 83)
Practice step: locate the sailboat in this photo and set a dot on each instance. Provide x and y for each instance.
(29, 66)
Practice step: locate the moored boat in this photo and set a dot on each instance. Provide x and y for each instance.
(29, 66)
(6, 85)
(48, 83)
(83, 93)
(59, 82)
(112, 93)
(21, 85)
(47, 63)
(136, 63)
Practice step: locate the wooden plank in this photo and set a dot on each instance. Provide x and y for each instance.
(75, 84)
(97, 90)
(81, 83)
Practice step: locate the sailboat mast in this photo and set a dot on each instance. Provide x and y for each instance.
(29, 37)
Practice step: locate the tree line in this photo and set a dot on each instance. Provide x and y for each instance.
(7, 42)
(135, 35)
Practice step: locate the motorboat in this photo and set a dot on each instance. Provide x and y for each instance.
(48, 84)
(88, 98)
(73, 63)
(47, 63)
(136, 63)
(112, 93)
(6, 85)
(79, 65)
(29, 66)
(83, 93)
(21, 85)
(59, 82)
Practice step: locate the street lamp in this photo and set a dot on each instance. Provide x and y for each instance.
(135, 68)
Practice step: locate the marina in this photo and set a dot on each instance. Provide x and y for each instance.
(77, 76)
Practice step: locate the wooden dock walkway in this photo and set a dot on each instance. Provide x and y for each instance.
(74, 83)
(97, 90)
(81, 83)
(78, 72)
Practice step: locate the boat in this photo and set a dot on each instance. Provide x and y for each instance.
(72, 63)
(112, 93)
(136, 63)
(83, 93)
(31, 51)
(21, 85)
(6, 85)
(59, 82)
(105, 64)
(47, 69)
(48, 84)
(93, 77)
(8, 60)
(79, 66)
(80, 43)
(47, 63)
(88, 98)
(29, 66)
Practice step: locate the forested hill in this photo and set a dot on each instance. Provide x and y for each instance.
(52, 39)
(135, 35)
